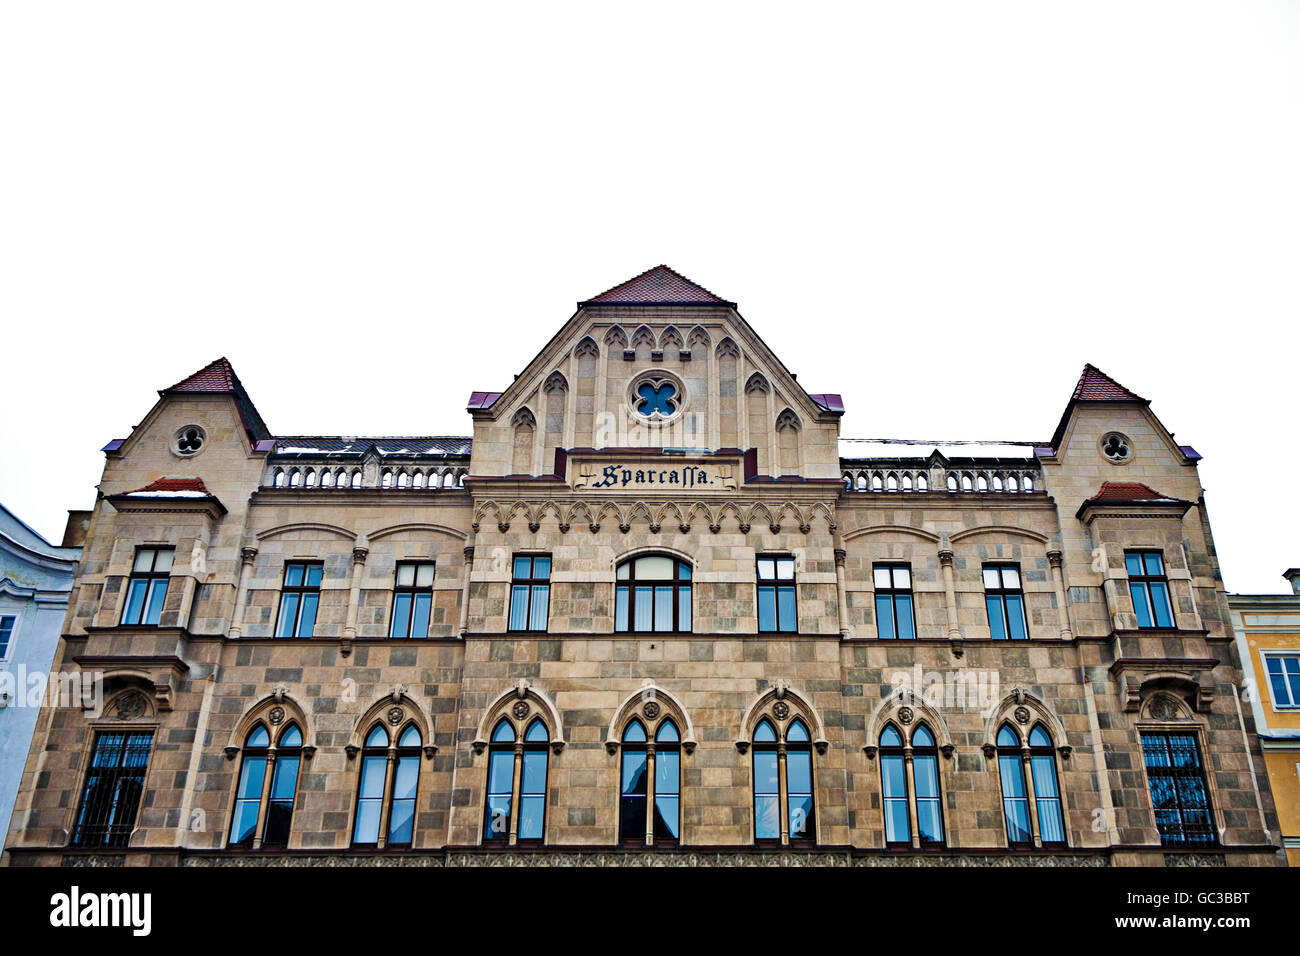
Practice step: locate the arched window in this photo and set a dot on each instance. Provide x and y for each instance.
(510, 760)
(893, 780)
(253, 794)
(952, 482)
(925, 775)
(1047, 791)
(922, 482)
(370, 792)
(1015, 794)
(327, 479)
(650, 776)
(653, 593)
(278, 478)
(792, 761)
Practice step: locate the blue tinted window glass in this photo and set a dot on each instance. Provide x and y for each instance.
(903, 616)
(767, 609)
(313, 575)
(293, 575)
(523, 567)
(1015, 804)
(541, 567)
(135, 602)
(1133, 563)
(536, 732)
(1138, 590)
(1016, 616)
(1160, 603)
(634, 772)
(248, 800)
(767, 809)
(922, 737)
(1007, 737)
(420, 617)
(787, 609)
(288, 612)
(634, 733)
(501, 771)
(684, 609)
(620, 608)
(401, 615)
(997, 623)
(797, 732)
(764, 733)
(503, 732)
(644, 609)
(307, 617)
(1154, 565)
(889, 737)
(929, 815)
(1038, 737)
(667, 732)
(258, 737)
(885, 616)
(157, 594)
(518, 607)
(541, 605)
(664, 609)
(1051, 825)
(894, 783)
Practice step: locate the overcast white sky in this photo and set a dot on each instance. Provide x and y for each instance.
(941, 211)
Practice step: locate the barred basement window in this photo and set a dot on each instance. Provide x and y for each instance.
(299, 598)
(147, 589)
(114, 784)
(530, 592)
(412, 599)
(1179, 795)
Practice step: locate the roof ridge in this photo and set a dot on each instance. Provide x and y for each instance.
(650, 288)
(1096, 386)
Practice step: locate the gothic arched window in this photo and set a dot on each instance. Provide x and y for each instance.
(256, 802)
(1015, 794)
(893, 782)
(787, 761)
(512, 761)
(650, 776)
(653, 593)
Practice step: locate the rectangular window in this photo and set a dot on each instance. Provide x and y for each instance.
(412, 599)
(1179, 794)
(147, 587)
(6, 635)
(299, 598)
(894, 615)
(530, 592)
(776, 597)
(1283, 679)
(1149, 587)
(1005, 601)
(110, 798)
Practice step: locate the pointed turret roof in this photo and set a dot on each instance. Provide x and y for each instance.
(1096, 386)
(219, 378)
(658, 286)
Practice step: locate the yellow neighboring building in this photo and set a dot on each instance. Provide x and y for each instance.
(1268, 635)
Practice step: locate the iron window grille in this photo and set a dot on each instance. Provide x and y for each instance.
(110, 797)
(1179, 793)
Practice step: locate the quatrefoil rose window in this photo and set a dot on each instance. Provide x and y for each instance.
(656, 397)
(189, 440)
(1116, 447)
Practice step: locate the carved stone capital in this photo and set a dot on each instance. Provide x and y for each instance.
(841, 557)
(1054, 558)
(359, 555)
(945, 557)
(248, 555)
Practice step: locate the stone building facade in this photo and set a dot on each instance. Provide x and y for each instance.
(655, 609)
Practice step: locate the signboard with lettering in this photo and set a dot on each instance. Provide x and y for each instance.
(654, 476)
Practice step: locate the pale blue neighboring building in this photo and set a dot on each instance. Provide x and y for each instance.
(35, 582)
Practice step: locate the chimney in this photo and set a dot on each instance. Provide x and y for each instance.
(1293, 576)
(74, 535)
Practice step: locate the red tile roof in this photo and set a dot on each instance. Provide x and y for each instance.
(657, 286)
(1096, 386)
(174, 484)
(216, 377)
(1128, 491)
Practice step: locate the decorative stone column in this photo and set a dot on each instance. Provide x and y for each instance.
(1058, 579)
(359, 555)
(842, 591)
(247, 557)
(463, 629)
(950, 596)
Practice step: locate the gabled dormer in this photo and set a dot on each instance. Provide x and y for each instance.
(656, 363)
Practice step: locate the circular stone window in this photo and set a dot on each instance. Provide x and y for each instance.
(1116, 448)
(190, 440)
(656, 396)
